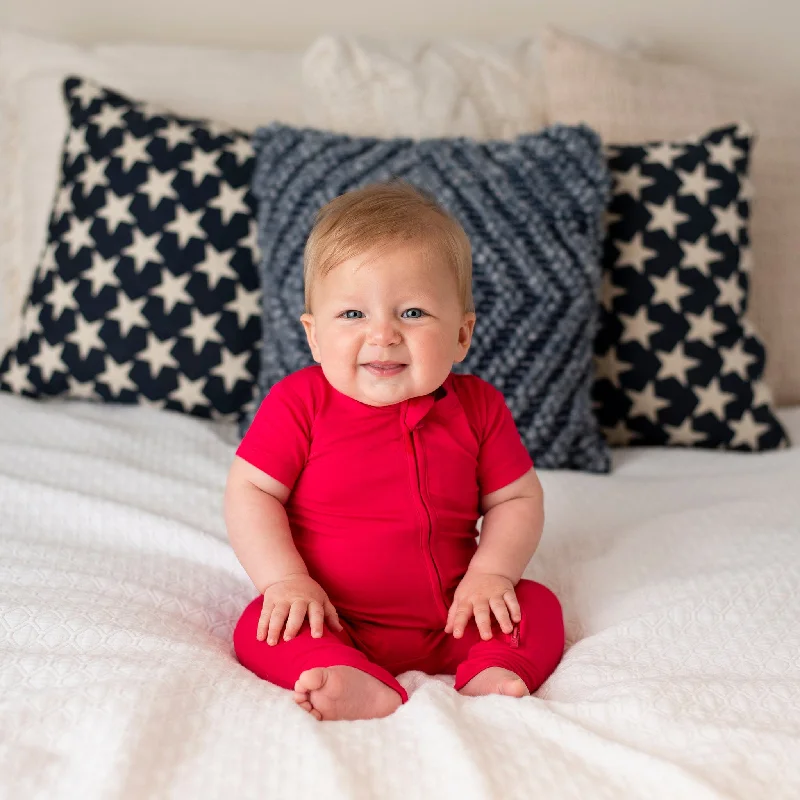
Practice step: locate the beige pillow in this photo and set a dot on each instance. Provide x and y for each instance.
(629, 100)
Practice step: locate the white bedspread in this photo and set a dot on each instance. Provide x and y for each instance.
(679, 576)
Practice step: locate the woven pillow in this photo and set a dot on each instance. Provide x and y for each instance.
(678, 362)
(147, 290)
(630, 101)
(532, 208)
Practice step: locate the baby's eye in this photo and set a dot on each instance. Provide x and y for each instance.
(352, 314)
(413, 313)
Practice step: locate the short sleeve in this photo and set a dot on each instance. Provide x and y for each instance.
(278, 439)
(502, 457)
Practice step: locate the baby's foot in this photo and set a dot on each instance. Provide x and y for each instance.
(344, 693)
(495, 680)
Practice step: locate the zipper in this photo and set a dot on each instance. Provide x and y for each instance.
(428, 517)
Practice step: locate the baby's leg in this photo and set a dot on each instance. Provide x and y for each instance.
(330, 677)
(531, 652)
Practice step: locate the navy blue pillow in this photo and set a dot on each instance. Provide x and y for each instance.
(532, 208)
(677, 361)
(147, 290)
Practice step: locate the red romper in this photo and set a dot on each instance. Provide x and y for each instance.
(383, 510)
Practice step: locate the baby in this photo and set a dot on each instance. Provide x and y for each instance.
(353, 499)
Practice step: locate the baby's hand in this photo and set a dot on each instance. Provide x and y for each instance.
(288, 601)
(478, 595)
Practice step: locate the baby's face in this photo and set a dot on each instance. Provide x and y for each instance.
(388, 325)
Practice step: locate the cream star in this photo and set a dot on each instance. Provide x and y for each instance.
(143, 249)
(647, 403)
(31, 322)
(712, 399)
(16, 376)
(676, 364)
(669, 290)
(728, 221)
(762, 395)
(158, 186)
(117, 377)
(62, 296)
(251, 240)
(632, 182)
(747, 432)
(663, 153)
(108, 117)
(638, 327)
(93, 174)
(76, 143)
(230, 202)
(63, 203)
(49, 359)
(609, 366)
(87, 92)
(232, 369)
(81, 390)
(132, 150)
(128, 313)
(725, 154)
(736, 360)
(241, 149)
(158, 354)
(86, 336)
(217, 265)
(697, 183)
(116, 210)
(665, 217)
(78, 236)
(175, 134)
(620, 435)
(186, 225)
(172, 290)
(634, 253)
(703, 327)
(189, 393)
(202, 329)
(730, 292)
(101, 273)
(201, 164)
(699, 255)
(246, 305)
(683, 434)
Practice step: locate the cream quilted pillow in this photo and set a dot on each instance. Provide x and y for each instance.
(424, 89)
(629, 100)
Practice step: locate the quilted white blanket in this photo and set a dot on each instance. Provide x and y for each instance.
(679, 575)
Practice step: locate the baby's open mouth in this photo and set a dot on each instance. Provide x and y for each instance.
(384, 368)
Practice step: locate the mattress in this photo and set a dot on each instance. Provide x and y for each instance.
(679, 575)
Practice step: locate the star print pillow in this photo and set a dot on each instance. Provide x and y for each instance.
(147, 290)
(677, 360)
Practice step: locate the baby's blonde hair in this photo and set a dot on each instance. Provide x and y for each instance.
(385, 214)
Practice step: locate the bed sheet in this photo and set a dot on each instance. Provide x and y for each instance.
(679, 575)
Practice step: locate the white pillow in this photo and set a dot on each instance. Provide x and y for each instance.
(429, 88)
(244, 89)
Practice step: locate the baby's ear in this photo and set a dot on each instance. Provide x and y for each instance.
(465, 336)
(311, 335)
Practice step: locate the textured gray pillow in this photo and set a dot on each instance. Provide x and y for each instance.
(532, 208)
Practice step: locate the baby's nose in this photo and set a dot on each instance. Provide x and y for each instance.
(383, 331)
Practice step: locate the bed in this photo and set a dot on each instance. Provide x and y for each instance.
(678, 574)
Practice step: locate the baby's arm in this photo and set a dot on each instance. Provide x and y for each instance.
(513, 519)
(510, 533)
(259, 531)
(258, 527)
